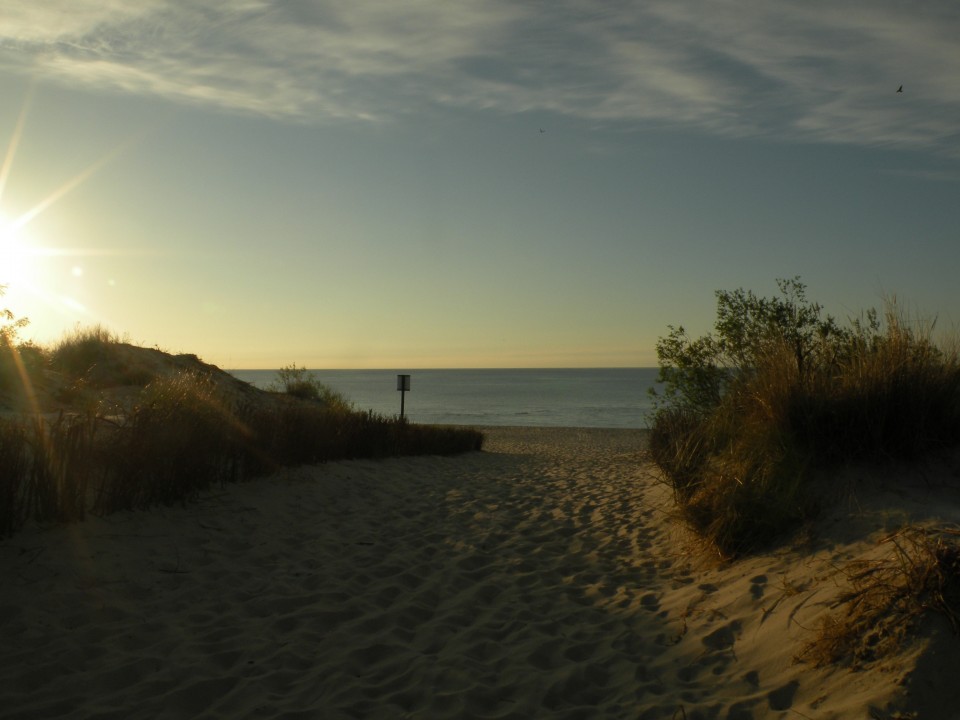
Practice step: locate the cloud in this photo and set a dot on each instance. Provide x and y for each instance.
(816, 71)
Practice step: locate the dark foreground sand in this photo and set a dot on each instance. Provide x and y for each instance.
(543, 577)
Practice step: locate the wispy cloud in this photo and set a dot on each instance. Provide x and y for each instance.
(820, 71)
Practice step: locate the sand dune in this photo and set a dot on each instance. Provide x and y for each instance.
(543, 577)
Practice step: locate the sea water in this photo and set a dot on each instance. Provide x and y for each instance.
(600, 398)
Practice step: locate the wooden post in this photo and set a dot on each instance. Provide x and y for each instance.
(403, 384)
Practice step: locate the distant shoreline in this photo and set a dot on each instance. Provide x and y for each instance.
(567, 397)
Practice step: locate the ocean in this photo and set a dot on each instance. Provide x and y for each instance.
(597, 398)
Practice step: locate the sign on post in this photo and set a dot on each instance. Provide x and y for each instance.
(403, 384)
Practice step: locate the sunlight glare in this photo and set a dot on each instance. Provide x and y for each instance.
(16, 255)
(26, 267)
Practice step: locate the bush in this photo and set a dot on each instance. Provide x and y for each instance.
(303, 384)
(752, 414)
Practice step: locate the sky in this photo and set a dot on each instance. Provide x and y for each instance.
(470, 183)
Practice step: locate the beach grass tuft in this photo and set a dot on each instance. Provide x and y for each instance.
(91, 357)
(887, 597)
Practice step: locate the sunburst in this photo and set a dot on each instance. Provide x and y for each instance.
(22, 268)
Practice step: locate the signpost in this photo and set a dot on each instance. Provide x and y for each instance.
(403, 384)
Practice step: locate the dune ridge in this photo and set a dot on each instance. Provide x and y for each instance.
(544, 577)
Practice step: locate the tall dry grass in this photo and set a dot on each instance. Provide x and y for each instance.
(182, 437)
(90, 356)
(886, 598)
(45, 470)
(178, 440)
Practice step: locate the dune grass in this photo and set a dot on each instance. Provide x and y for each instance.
(887, 598)
(89, 356)
(182, 435)
(755, 415)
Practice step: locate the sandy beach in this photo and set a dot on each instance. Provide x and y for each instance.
(543, 577)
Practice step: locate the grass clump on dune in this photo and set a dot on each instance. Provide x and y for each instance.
(90, 355)
(751, 415)
(886, 598)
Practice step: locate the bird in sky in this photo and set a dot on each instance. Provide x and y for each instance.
(900, 89)
(542, 130)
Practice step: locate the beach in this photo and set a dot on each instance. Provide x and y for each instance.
(543, 577)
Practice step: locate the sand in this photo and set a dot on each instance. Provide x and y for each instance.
(543, 577)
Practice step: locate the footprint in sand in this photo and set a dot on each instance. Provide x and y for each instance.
(757, 586)
(650, 602)
(782, 697)
(723, 638)
(742, 710)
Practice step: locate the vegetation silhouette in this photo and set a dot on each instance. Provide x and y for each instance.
(97, 424)
(751, 416)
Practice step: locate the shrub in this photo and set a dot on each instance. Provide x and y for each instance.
(301, 383)
(753, 413)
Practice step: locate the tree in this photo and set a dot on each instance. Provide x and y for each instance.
(695, 373)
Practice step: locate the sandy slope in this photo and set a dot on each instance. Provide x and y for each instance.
(540, 578)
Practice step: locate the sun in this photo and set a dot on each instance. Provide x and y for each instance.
(16, 255)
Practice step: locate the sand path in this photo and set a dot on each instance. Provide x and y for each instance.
(540, 578)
